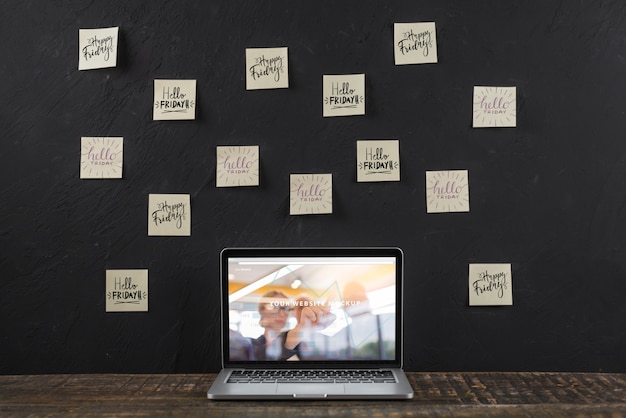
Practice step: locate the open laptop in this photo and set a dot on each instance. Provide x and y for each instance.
(311, 323)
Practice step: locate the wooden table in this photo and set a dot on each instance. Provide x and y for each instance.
(436, 394)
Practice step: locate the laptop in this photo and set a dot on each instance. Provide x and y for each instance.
(311, 323)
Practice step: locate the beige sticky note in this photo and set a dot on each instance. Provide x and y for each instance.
(101, 157)
(490, 285)
(344, 95)
(267, 68)
(494, 107)
(169, 215)
(378, 160)
(174, 100)
(415, 43)
(447, 191)
(127, 290)
(311, 194)
(237, 166)
(97, 48)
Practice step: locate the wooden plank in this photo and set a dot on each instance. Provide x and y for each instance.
(436, 394)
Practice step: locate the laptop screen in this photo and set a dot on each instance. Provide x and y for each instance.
(312, 305)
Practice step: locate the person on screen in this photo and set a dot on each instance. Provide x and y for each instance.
(309, 316)
(276, 343)
(274, 313)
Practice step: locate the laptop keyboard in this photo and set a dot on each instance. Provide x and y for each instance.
(311, 376)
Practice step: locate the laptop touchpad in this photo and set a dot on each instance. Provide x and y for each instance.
(309, 388)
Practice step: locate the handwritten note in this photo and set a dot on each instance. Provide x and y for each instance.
(447, 191)
(174, 100)
(97, 48)
(415, 43)
(490, 284)
(126, 290)
(237, 166)
(311, 194)
(267, 68)
(344, 95)
(101, 157)
(495, 107)
(378, 160)
(169, 214)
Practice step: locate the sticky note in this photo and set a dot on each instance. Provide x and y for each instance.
(494, 107)
(415, 43)
(174, 100)
(447, 191)
(127, 290)
(344, 95)
(490, 285)
(237, 166)
(311, 194)
(378, 160)
(169, 215)
(101, 157)
(97, 48)
(267, 68)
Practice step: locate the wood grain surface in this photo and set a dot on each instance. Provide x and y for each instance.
(436, 394)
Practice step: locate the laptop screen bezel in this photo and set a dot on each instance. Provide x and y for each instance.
(252, 252)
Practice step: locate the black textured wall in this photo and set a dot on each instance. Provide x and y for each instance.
(547, 196)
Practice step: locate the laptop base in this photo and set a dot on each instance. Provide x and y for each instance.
(222, 390)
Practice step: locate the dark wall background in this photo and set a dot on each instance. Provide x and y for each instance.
(548, 196)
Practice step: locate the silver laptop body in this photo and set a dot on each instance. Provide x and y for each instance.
(311, 323)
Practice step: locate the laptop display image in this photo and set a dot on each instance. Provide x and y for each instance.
(311, 323)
